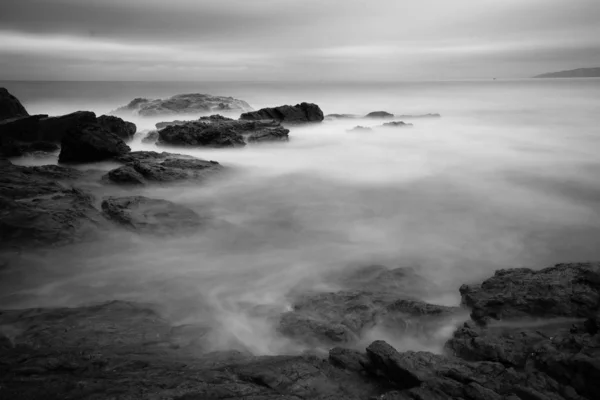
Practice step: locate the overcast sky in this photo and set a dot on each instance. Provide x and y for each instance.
(295, 39)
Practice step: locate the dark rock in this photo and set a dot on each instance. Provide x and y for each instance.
(151, 167)
(300, 113)
(210, 118)
(91, 143)
(565, 290)
(151, 137)
(123, 129)
(10, 106)
(53, 129)
(12, 148)
(396, 124)
(162, 125)
(379, 114)
(155, 216)
(359, 128)
(221, 133)
(22, 129)
(183, 104)
(374, 296)
(39, 207)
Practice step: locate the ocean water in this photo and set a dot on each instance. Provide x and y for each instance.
(507, 177)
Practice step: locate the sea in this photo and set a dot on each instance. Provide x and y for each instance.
(508, 176)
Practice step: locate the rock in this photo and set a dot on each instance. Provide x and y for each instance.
(194, 103)
(123, 129)
(221, 133)
(396, 124)
(210, 118)
(91, 143)
(565, 290)
(379, 114)
(38, 206)
(374, 297)
(10, 106)
(151, 137)
(12, 148)
(53, 129)
(300, 113)
(359, 128)
(341, 116)
(418, 116)
(154, 216)
(143, 168)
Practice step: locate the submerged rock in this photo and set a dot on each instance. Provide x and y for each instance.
(341, 116)
(10, 106)
(91, 143)
(300, 113)
(221, 133)
(379, 114)
(194, 103)
(396, 124)
(146, 215)
(360, 128)
(146, 167)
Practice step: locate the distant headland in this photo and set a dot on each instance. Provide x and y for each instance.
(573, 73)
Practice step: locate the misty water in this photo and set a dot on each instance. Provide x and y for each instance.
(507, 177)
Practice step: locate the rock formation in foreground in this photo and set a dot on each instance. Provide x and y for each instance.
(194, 103)
(300, 113)
(90, 143)
(221, 133)
(10, 106)
(129, 350)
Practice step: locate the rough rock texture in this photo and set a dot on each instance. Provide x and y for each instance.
(155, 216)
(379, 114)
(221, 133)
(123, 129)
(565, 290)
(38, 206)
(151, 137)
(194, 103)
(146, 167)
(89, 143)
(396, 124)
(300, 113)
(372, 296)
(10, 106)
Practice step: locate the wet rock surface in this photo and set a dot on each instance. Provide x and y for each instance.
(89, 143)
(129, 350)
(155, 216)
(147, 167)
(300, 113)
(123, 129)
(221, 133)
(194, 103)
(10, 106)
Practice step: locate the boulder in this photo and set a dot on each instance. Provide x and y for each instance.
(123, 129)
(39, 206)
(155, 216)
(565, 290)
(379, 114)
(10, 106)
(221, 133)
(194, 103)
(396, 124)
(146, 167)
(300, 113)
(90, 143)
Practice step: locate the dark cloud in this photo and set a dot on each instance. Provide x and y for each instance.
(288, 39)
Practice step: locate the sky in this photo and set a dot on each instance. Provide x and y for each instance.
(295, 40)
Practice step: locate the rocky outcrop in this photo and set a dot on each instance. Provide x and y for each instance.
(39, 206)
(210, 118)
(194, 103)
(300, 113)
(379, 114)
(341, 116)
(154, 216)
(221, 133)
(396, 124)
(10, 106)
(372, 297)
(123, 129)
(147, 167)
(90, 143)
